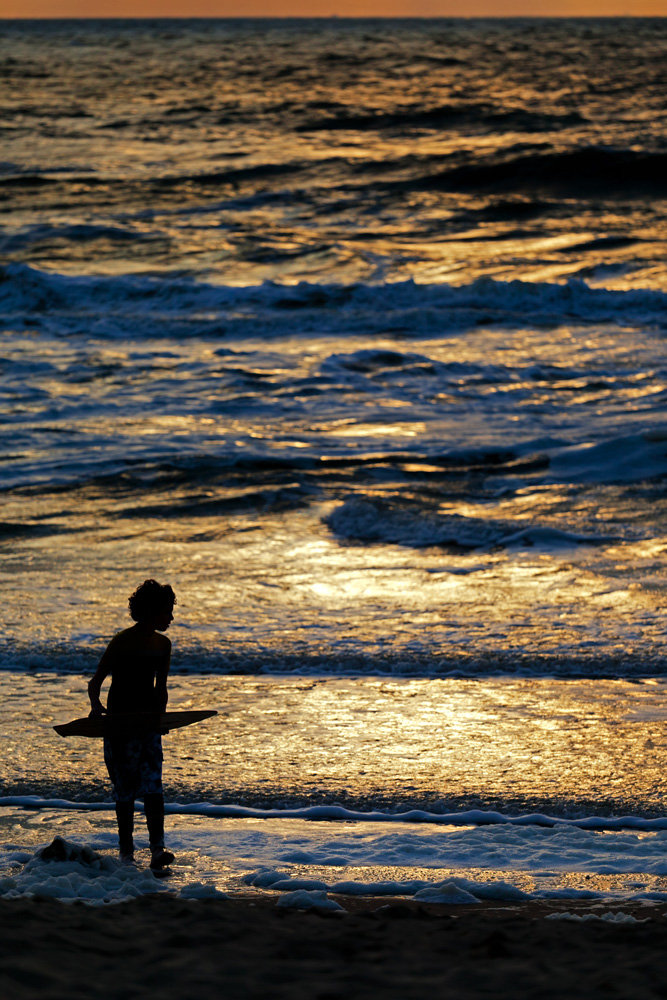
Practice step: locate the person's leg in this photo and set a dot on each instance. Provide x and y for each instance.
(125, 817)
(154, 811)
(151, 792)
(115, 753)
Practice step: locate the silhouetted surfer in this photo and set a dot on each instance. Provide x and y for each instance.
(138, 661)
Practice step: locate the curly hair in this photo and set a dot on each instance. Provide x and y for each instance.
(149, 598)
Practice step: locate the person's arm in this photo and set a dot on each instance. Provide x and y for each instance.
(98, 678)
(161, 675)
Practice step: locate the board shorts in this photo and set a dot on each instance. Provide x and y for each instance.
(134, 766)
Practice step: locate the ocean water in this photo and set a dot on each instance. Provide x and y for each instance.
(354, 332)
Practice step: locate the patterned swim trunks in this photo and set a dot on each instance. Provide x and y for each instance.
(134, 766)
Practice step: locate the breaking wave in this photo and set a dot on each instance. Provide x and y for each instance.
(365, 520)
(141, 306)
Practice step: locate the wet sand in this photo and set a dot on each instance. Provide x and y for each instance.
(245, 947)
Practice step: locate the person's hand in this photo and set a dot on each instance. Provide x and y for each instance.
(96, 713)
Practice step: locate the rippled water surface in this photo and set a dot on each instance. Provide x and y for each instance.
(353, 331)
(353, 150)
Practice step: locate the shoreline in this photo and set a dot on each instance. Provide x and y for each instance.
(246, 947)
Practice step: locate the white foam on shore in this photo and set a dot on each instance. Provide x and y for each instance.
(304, 900)
(470, 817)
(276, 856)
(77, 873)
(74, 872)
(610, 918)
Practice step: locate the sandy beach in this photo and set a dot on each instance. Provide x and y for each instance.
(247, 947)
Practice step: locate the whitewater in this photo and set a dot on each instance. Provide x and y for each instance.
(288, 856)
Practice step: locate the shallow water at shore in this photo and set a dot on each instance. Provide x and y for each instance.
(517, 745)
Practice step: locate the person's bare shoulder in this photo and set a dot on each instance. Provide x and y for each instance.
(123, 638)
(122, 641)
(160, 644)
(116, 648)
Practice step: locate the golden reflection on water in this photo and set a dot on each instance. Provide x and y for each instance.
(286, 587)
(264, 568)
(411, 429)
(578, 746)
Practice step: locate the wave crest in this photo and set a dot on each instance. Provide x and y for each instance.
(176, 306)
(361, 519)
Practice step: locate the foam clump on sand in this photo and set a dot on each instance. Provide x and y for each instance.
(451, 890)
(490, 890)
(292, 884)
(447, 893)
(610, 918)
(281, 882)
(264, 878)
(71, 872)
(317, 899)
(201, 890)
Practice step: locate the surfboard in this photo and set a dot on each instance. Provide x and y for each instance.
(131, 723)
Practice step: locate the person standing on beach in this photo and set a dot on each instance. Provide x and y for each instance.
(138, 661)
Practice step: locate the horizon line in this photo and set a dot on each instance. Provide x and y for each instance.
(349, 17)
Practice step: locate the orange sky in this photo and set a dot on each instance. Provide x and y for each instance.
(344, 8)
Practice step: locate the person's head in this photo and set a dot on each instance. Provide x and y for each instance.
(152, 605)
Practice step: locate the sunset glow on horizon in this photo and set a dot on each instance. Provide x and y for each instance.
(29, 9)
